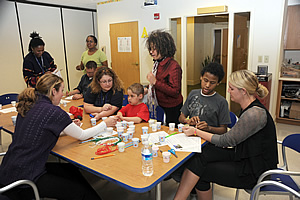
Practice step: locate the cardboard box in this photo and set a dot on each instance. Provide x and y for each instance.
(295, 110)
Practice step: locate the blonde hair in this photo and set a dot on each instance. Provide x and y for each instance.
(44, 86)
(100, 72)
(248, 80)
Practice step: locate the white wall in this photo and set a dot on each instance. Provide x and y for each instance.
(47, 21)
(264, 35)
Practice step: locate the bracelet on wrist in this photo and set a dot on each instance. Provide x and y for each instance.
(195, 132)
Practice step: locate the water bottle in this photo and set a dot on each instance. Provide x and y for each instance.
(147, 165)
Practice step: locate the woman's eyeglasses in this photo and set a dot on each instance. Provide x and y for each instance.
(106, 81)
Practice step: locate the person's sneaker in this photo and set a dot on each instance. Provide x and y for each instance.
(193, 193)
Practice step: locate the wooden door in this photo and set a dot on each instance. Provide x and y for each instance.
(125, 62)
(240, 49)
(224, 53)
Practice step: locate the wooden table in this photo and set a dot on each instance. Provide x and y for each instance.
(124, 169)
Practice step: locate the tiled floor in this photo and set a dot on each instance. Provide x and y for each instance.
(110, 191)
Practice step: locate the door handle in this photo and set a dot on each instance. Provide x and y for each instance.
(136, 63)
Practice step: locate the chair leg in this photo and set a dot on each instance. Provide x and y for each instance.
(237, 194)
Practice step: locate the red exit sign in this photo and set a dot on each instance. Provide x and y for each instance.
(156, 16)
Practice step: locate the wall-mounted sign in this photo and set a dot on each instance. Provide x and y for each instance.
(156, 16)
(124, 44)
(150, 2)
(145, 34)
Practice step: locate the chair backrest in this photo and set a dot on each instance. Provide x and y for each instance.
(233, 119)
(125, 100)
(292, 141)
(7, 98)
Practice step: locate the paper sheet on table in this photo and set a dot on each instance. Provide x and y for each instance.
(181, 142)
(8, 110)
(105, 134)
(154, 138)
(64, 101)
(69, 97)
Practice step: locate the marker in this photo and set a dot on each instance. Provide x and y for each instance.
(171, 134)
(104, 156)
(92, 116)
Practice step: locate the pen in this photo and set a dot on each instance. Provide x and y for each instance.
(92, 116)
(171, 134)
(104, 156)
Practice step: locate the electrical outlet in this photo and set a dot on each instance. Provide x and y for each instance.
(266, 59)
(260, 59)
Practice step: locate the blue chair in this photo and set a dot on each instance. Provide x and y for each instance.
(233, 119)
(7, 98)
(279, 181)
(125, 100)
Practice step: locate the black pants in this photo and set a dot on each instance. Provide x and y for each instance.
(217, 165)
(172, 114)
(62, 181)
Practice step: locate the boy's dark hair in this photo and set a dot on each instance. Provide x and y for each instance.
(215, 69)
(137, 89)
(91, 64)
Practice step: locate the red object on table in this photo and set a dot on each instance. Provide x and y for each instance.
(77, 112)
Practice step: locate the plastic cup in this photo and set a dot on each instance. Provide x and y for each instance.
(145, 130)
(120, 133)
(155, 151)
(166, 156)
(151, 121)
(131, 127)
(121, 146)
(130, 124)
(93, 122)
(135, 142)
(65, 104)
(154, 127)
(125, 137)
(110, 130)
(144, 138)
(130, 134)
(14, 120)
(120, 128)
(104, 118)
(180, 126)
(171, 126)
(119, 124)
(158, 125)
(131, 130)
(161, 138)
(124, 124)
(13, 103)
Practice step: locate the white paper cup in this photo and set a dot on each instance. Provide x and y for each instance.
(158, 125)
(131, 130)
(13, 103)
(120, 133)
(161, 138)
(124, 124)
(119, 124)
(130, 134)
(151, 121)
(135, 142)
(125, 137)
(14, 120)
(166, 156)
(104, 118)
(110, 130)
(154, 127)
(130, 123)
(121, 146)
(180, 126)
(155, 151)
(131, 127)
(0, 106)
(145, 130)
(93, 122)
(171, 126)
(144, 138)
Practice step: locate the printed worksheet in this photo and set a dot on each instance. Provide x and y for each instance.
(181, 142)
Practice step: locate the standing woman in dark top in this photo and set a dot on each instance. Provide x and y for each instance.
(37, 62)
(165, 77)
(104, 96)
